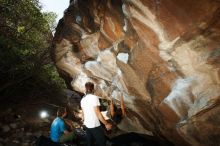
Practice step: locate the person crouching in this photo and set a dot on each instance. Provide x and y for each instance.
(58, 131)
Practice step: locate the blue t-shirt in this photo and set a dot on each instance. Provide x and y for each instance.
(56, 130)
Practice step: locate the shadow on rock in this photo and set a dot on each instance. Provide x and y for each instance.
(134, 139)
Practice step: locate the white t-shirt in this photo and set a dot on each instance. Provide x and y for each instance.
(88, 103)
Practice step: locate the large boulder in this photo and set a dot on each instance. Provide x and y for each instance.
(164, 56)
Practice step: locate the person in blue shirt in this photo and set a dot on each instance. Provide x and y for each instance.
(58, 131)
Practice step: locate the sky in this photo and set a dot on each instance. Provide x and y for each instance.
(57, 6)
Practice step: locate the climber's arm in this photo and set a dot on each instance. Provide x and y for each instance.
(122, 105)
(112, 111)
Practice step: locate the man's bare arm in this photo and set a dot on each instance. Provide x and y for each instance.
(122, 105)
(112, 111)
(66, 132)
(82, 116)
(69, 123)
(101, 118)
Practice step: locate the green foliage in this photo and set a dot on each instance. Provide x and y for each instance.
(51, 17)
(25, 37)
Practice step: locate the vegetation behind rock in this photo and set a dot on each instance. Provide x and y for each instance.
(26, 69)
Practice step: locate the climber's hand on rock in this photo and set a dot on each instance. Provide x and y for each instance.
(108, 126)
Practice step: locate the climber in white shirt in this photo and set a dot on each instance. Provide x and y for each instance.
(92, 117)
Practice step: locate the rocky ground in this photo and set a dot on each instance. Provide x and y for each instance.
(22, 127)
(16, 131)
(21, 124)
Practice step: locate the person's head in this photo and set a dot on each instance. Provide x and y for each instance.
(118, 115)
(89, 87)
(61, 112)
(119, 112)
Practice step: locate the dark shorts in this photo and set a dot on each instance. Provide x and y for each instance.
(95, 136)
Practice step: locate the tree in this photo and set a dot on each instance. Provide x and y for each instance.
(51, 17)
(25, 37)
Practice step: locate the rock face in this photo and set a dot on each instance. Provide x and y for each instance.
(163, 55)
